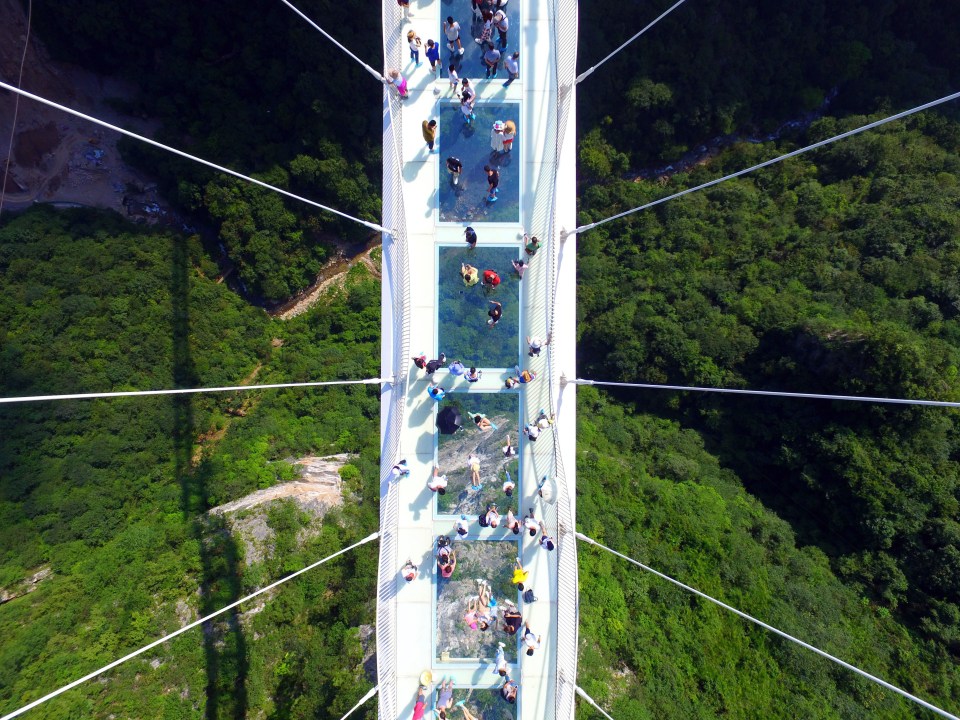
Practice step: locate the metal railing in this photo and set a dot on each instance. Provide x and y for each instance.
(564, 41)
(396, 271)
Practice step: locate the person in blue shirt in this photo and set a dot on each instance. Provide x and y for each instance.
(433, 55)
(436, 392)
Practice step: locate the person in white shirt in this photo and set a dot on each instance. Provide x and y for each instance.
(451, 28)
(531, 524)
(530, 639)
(438, 483)
(462, 526)
(508, 485)
(512, 65)
(502, 23)
(500, 664)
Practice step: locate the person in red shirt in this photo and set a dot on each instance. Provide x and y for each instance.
(490, 278)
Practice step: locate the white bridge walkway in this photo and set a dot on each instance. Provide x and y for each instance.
(543, 165)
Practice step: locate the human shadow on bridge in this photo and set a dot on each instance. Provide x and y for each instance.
(225, 649)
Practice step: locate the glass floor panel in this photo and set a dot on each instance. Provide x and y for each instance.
(463, 332)
(503, 410)
(467, 201)
(470, 64)
(483, 704)
(490, 560)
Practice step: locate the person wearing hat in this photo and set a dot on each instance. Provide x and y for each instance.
(496, 137)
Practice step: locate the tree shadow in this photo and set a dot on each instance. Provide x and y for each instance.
(225, 649)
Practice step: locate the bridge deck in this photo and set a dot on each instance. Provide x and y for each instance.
(443, 315)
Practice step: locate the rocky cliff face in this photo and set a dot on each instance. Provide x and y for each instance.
(488, 446)
(488, 560)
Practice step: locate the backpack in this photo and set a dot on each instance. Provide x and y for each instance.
(528, 596)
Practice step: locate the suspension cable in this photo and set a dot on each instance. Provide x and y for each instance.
(589, 72)
(329, 37)
(774, 393)
(188, 156)
(185, 391)
(868, 126)
(195, 623)
(772, 629)
(16, 109)
(370, 694)
(582, 693)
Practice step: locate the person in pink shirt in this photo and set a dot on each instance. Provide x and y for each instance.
(421, 707)
(399, 82)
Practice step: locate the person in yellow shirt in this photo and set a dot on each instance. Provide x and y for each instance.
(520, 576)
(429, 128)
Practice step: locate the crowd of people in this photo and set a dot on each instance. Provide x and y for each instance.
(488, 16)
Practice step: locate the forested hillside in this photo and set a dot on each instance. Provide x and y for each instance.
(112, 496)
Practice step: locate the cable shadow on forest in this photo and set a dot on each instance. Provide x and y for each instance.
(225, 650)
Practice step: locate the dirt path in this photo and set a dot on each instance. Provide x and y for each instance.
(56, 157)
(334, 273)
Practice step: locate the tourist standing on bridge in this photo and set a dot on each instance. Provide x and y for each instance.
(456, 368)
(436, 392)
(513, 525)
(508, 487)
(491, 279)
(486, 32)
(436, 364)
(531, 431)
(509, 134)
(509, 690)
(531, 245)
(546, 541)
(420, 361)
(444, 698)
(454, 167)
(470, 274)
(520, 576)
(451, 28)
(474, 375)
(405, 4)
(433, 55)
(415, 43)
(467, 91)
(511, 619)
(399, 82)
(400, 469)
(470, 236)
(429, 129)
(530, 639)
(535, 344)
(512, 65)
(495, 313)
(491, 60)
(409, 571)
(438, 483)
(493, 182)
(500, 666)
(496, 138)
(462, 526)
(474, 464)
(453, 77)
(531, 524)
(509, 450)
(466, 109)
(519, 267)
(421, 707)
(502, 23)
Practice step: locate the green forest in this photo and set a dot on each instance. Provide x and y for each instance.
(835, 272)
